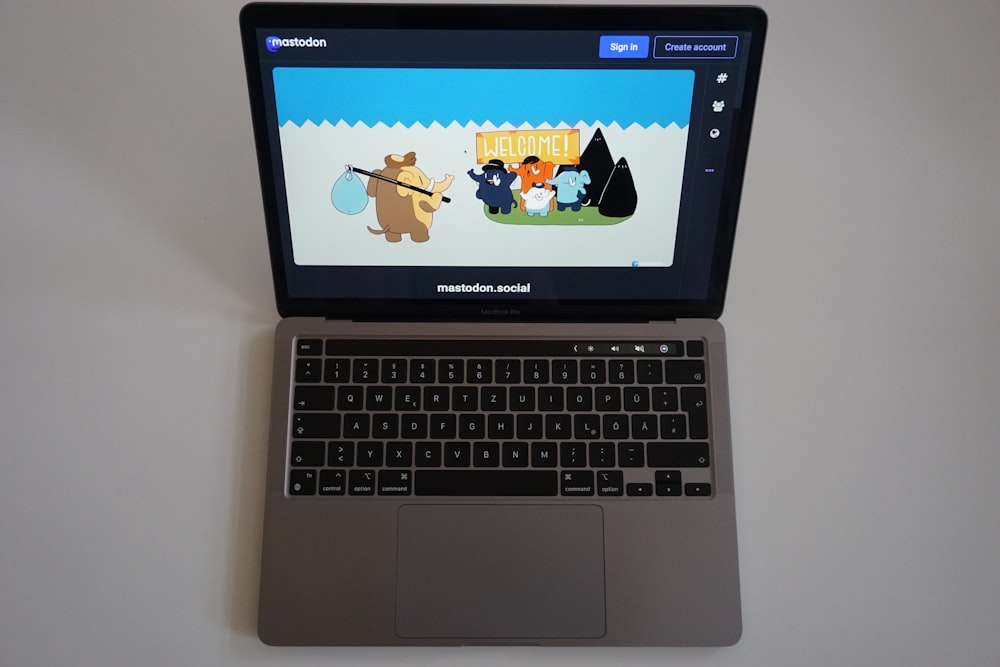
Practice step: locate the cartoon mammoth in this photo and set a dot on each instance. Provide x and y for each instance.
(405, 198)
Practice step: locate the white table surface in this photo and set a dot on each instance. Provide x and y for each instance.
(136, 317)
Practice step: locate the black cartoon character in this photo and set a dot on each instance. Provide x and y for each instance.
(494, 186)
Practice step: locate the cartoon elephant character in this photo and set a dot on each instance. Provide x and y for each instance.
(533, 172)
(570, 188)
(494, 187)
(405, 198)
(537, 201)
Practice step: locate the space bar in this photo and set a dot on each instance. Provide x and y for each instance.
(486, 483)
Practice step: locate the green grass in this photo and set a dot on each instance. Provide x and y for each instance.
(587, 215)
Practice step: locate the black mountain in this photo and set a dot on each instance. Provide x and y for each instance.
(597, 161)
(619, 198)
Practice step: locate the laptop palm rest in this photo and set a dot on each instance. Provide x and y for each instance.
(500, 572)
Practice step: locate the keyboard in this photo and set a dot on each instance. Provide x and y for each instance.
(474, 418)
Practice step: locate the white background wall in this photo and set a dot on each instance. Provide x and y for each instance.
(136, 316)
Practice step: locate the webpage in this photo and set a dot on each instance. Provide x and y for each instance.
(468, 163)
(509, 167)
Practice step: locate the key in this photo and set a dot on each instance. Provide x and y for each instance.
(365, 370)
(399, 454)
(593, 371)
(639, 489)
(630, 455)
(394, 370)
(580, 399)
(543, 455)
(479, 371)
(573, 455)
(383, 426)
(515, 454)
(493, 399)
(435, 399)
(665, 399)
(308, 370)
(673, 427)
(378, 398)
(697, 489)
(341, 454)
(316, 425)
(486, 483)
(361, 482)
(668, 482)
(428, 454)
(309, 453)
(308, 347)
(451, 371)
(610, 483)
(615, 427)
(695, 403)
(313, 398)
(302, 482)
(577, 482)
(486, 454)
(558, 426)
(685, 371)
(395, 482)
(608, 399)
(336, 370)
(677, 454)
(456, 455)
(637, 399)
(536, 371)
(564, 371)
(332, 482)
(522, 398)
(370, 454)
(602, 455)
(508, 371)
(621, 371)
(422, 370)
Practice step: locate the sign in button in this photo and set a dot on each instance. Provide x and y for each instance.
(624, 46)
(721, 47)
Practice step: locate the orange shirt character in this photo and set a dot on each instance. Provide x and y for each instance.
(533, 171)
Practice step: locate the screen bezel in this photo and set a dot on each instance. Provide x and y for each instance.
(317, 16)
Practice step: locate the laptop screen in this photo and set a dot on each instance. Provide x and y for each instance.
(541, 162)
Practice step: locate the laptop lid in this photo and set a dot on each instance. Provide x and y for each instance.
(539, 163)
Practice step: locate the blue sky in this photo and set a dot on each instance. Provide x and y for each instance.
(478, 95)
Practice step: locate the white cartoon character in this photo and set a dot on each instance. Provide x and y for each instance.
(536, 200)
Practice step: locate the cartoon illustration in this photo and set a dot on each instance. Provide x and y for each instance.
(405, 198)
(494, 187)
(570, 185)
(533, 171)
(627, 128)
(619, 198)
(612, 188)
(538, 200)
(581, 188)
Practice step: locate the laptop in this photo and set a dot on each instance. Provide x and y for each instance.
(500, 238)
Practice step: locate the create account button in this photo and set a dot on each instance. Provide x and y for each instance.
(695, 47)
(624, 46)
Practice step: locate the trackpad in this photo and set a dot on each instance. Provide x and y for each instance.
(501, 571)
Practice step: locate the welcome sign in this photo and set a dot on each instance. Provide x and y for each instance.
(557, 146)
